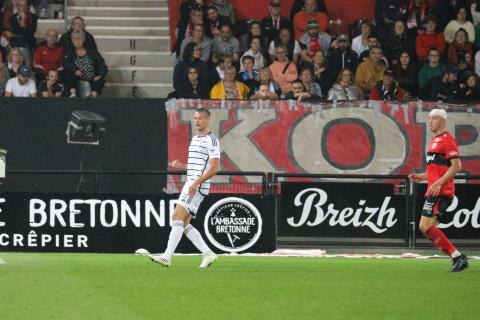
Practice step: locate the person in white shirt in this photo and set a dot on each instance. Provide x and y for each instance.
(22, 85)
(461, 22)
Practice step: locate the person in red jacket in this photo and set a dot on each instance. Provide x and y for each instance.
(429, 39)
(48, 55)
(387, 89)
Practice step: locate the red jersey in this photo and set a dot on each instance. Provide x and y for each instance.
(48, 58)
(442, 149)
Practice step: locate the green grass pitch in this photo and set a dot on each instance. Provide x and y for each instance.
(118, 286)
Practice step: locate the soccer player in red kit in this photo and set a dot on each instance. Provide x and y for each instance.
(442, 164)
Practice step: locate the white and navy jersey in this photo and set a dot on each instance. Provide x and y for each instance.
(200, 151)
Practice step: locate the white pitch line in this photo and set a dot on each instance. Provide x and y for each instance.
(2, 261)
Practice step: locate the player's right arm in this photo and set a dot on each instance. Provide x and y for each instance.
(417, 177)
(177, 164)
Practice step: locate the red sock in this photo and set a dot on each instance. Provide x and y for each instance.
(440, 240)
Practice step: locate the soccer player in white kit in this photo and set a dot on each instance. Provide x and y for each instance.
(203, 163)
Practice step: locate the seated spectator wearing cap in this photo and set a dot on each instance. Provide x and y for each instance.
(225, 44)
(405, 72)
(283, 71)
(191, 58)
(214, 21)
(22, 85)
(78, 24)
(312, 41)
(387, 89)
(370, 71)
(229, 88)
(264, 93)
(396, 42)
(470, 88)
(51, 86)
(274, 22)
(48, 55)
(432, 69)
(256, 53)
(198, 37)
(342, 57)
(81, 64)
(429, 39)
(286, 40)
(460, 23)
(299, 92)
(442, 87)
(309, 12)
(24, 26)
(298, 5)
(15, 59)
(225, 9)
(344, 89)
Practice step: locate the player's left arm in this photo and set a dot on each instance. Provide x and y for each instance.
(214, 167)
(455, 167)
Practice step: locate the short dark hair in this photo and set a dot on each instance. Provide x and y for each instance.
(298, 81)
(248, 58)
(204, 110)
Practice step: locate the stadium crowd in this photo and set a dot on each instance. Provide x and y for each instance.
(68, 66)
(412, 49)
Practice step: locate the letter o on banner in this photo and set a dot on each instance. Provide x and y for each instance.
(387, 145)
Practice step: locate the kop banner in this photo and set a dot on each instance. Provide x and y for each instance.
(361, 137)
(341, 212)
(124, 223)
(463, 215)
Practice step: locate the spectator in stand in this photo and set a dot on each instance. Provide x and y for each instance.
(51, 86)
(299, 92)
(4, 76)
(360, 42)
(477, 63)
(185, 27)
(254, 30)
(225, 44)
(387, 89)
(431, 69)
(264, 93)
(194, 87)
(429, 39)
(225, 9)
(470, 88)
(475, 12)
(405, 73)
(447, 10)
(255, 52)
(218, 73)
(285, 39)
(229, 88)
(312, 41)
(24, 26)
(198, 37)
(249, 74)
(283, 71)
(82, 64)
(370, 71)
(460, 23)
(459, 48)
(191, 58)
(274, 22)
(265, 76)
(415, 15)
(22, 85)
(397, 42)
(344, 89)
(298, 6)
(77, 25)
(214, 22)
(321, 74)
(444, 87)
(48, 56)
(306, 76)
(309, 12)
(15, 59)
(373, 41)
(386, 13)
(465, 67)
(341, 58)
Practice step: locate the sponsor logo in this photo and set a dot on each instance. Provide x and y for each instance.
(233, 224)
(430, 158)
(463, 217)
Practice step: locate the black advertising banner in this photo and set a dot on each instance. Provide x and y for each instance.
(124, 223)
(341, 210)
(462, 220)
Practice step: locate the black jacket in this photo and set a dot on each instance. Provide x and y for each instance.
(269, 32)
(338, 59)
(390, 9)
(446, 12)
(100, 66)
(186, 91)
(180, 76)
(24, 35)
(66, 41)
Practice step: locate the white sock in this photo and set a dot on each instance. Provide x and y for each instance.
(456, 254)
(174, 238)
(196, 238)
